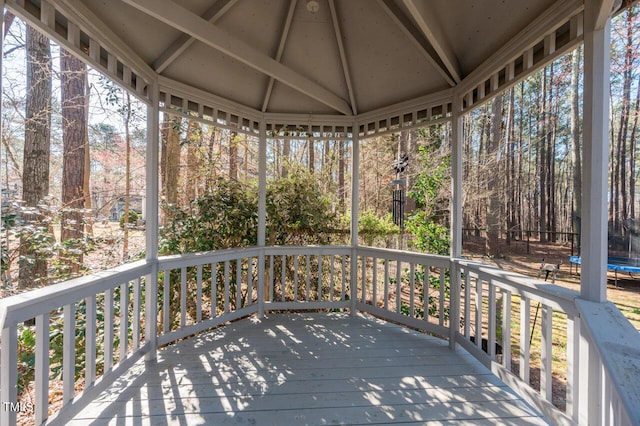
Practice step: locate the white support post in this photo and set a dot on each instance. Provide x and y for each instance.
(262, 213)
(151, 221)
(456, 216)
(456, 181)
(355, 198)
(593, 278)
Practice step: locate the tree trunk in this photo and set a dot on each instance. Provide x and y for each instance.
(127, 179)
(86, 184)
(286, 153)
(171, 170)
(73, 74)
(542, 159)
(575, 137)
(233, 156)
(312, 156)
(493, 208)
(193, 166)
(632, 157)
(35, 176)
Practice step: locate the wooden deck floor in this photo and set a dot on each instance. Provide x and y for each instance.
(309, 369)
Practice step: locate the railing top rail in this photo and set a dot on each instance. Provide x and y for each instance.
(309, 249)
(618, 344)
(561, 297)
(27, 305)
(191, 259)
(408, 256)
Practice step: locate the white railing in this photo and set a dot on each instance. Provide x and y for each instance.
(150, 304)
(109, 350)
(496, 309)
(405, 287)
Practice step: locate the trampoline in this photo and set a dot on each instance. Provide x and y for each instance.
(615, 263)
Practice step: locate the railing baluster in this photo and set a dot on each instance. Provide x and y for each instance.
(250, 281)
(226, 286)
(363, 278)
(136, 315)
(573, 367)
(491, 337)
(238, 283)
(295, 278)
(441, 298)
(108, 330)
(308, 279)
(271, 277)
(69, 353)
(467, 304)
(374, 296)
(124, 320)
(546, 384)
(283, 278)
(183, 297)
(525, 318)
(214, 290)
(319, 278)
(506, 329)
(199, 293)
(41, 374)
(478, 312)
(398, 286)
(386, 284)
(425, 291)
(332, 283)
(166, 299)
(412, 289)
(90, 342)
(344, 275)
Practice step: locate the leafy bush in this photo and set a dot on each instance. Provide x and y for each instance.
(133, 218)
(226, 216)
(429, 236)
(297, 210)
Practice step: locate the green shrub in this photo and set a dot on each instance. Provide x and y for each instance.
(133, 218)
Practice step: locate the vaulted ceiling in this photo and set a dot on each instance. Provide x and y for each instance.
(346, 57)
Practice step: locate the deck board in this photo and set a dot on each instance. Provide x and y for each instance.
(308, 369)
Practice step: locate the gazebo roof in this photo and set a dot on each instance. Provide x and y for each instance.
(367, 54)
(393, 60)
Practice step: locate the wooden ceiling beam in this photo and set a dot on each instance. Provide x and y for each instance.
(433, 32)
(283, 41)
(181, 43)
(343, 56)
(416, 36)
(189, 23)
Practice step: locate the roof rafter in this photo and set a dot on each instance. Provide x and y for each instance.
(181, 43)
(189, 23)
(416, 37)
(283, 41)
(603, 9)
(343, 56)
(433, 32)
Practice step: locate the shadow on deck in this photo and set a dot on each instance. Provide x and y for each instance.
(308, 369)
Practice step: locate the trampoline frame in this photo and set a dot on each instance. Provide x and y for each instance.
(614, 263)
